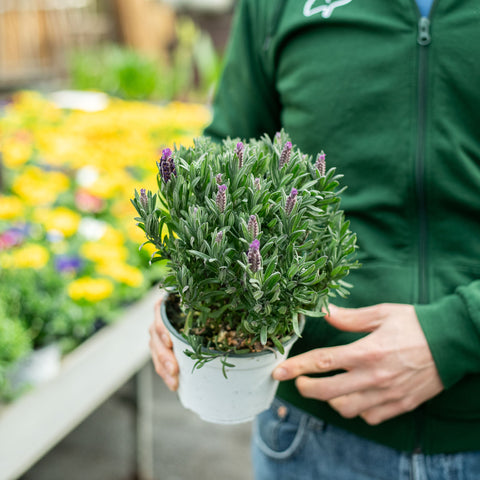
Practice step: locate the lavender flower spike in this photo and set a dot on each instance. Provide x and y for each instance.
(252, 226)
(254, 257)
(166, 165)
(285, 155)
(143, 198)
(219, 236)
(291, 201)
(239, 153)
(320, 164)
(221, 199)
(218, 178)
(257, 183)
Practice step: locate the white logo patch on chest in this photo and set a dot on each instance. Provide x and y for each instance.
(326, 9)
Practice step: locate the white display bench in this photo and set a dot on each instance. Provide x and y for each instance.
(39, 419)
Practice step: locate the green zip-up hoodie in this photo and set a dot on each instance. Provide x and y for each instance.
(394, 101)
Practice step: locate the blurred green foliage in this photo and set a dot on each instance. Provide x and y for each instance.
(48, 315)
(15, 343)
(189, 73)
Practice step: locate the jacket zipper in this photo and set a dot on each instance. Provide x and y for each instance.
(423, 40)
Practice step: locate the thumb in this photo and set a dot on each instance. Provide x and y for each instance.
(364, 319)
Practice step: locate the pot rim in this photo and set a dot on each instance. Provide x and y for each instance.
(179, 336)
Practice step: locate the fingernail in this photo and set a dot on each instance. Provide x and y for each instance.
(280, 374)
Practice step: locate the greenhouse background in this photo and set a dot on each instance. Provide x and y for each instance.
(90, 92)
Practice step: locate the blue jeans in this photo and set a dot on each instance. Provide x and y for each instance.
(289, 444)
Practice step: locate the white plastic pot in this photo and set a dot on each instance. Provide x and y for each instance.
(248, 389)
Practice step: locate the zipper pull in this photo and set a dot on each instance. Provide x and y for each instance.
(424, 37)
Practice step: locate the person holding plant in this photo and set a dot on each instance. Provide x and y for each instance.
(387, 386)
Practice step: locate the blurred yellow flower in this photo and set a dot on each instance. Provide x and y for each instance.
(113, 236)
(194, 115)
(100, 252)
(11, 207)
(59, 219)
(27, 256)
(122, 273)
(110, 184)
(31, 104)
(90, 289)
(38, 187)
(15, 153)
(58, 146)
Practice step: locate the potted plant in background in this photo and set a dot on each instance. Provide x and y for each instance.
(36, 300)
(15, 344)
(255, 239)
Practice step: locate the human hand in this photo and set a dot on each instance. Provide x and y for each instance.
(161, 348)
(386, 373)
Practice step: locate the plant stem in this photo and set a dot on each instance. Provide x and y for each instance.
(188, 322)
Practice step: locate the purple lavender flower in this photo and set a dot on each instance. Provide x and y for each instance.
(257, 183)
(166, 165)
(143, 198)
(285, 155)
(239, 153)
(254, 257)
(68, 263)
(218, 179)
(221, 199)
(219, 236)
(252, 226)
(320, 164)
(291, 201)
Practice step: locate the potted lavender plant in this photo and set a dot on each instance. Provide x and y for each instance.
(255, 239)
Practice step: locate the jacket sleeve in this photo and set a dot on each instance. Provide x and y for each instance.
(245, 103)
(452, 329)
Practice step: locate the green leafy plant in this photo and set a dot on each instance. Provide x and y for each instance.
(39, 302)
(117, 71)
(190, 71)
(253, 234)
(15, 343)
